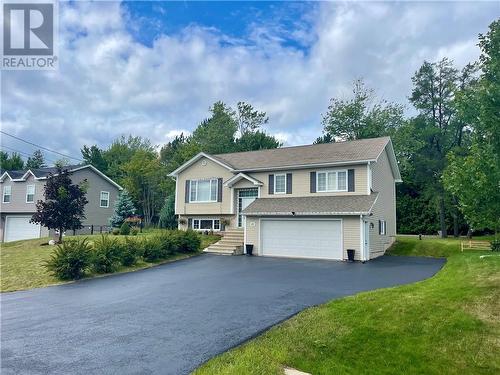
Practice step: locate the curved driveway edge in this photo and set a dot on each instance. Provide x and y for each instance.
(171, 318)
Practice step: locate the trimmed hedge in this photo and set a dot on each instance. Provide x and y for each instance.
(74, 258)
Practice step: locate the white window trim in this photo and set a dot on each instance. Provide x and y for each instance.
(199, 224)
(204, 179)
(280, 175)
(34, 190)
(100, 199)
(383, 227)
(335, 190)
(4, 194)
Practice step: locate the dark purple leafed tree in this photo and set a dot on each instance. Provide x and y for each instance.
(64, 205)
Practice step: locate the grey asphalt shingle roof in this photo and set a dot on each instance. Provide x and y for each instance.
(315, 205)
(39, 172)
(352, 151)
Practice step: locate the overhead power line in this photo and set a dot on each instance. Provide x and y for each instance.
(41, 147)
(25, 153)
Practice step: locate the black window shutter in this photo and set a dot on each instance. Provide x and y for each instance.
(350, 180)
(271, 184)
(313, 182)
(379, 227)
(219, 190)
(190, 223)
(289, 183)
(186, 192)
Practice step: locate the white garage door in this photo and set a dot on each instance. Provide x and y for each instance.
(20, 228)
(302, 238)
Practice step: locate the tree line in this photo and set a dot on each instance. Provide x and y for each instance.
(448, 153)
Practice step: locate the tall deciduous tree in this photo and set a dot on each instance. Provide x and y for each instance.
(64, 204)
(145, 179)
(435, 88)
(124, 208)
(362, 116)
(258, 140)
(36, 160)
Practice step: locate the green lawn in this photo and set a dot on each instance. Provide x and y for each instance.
(449, 324)
(21, 263)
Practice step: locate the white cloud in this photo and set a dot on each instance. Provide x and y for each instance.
(109, 84)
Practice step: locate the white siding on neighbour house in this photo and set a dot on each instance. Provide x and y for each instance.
(384, 208)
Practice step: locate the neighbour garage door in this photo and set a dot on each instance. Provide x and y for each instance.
(20, 228)
(302, 238)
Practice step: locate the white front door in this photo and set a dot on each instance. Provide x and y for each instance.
(366, 240)
(20, 228)
(245, 197)
(302, 238)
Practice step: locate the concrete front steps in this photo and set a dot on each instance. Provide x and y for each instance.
(230, 244)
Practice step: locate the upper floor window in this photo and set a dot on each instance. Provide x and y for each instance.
(30, 194)
(104, 199)
(7, 191)
(331, 181)
(203, 190)
(280, 183)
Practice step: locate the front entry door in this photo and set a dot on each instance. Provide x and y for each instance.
(245, 197)
(366, 242)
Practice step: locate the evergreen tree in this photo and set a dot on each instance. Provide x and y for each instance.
(35, 161)
(167, 214)
(124, 208)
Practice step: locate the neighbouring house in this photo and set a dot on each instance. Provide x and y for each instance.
(314, 201)
(22, 189)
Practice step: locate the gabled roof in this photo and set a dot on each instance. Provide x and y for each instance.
(315, 205)
(241, 176)
(44, 173)
(327, 154)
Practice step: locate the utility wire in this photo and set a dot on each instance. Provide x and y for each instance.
(43, 148)
(25, 153)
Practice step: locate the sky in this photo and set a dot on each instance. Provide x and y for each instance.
(153, 69)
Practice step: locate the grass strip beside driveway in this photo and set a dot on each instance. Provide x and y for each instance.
(448, 324)
(22, 262)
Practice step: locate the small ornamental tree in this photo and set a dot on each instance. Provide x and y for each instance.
(64, 205)
(124, 208)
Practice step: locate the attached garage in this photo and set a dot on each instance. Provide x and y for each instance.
(302, 238)
(20, 228)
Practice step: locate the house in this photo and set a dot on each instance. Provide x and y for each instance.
(22, 189)
(313, 201)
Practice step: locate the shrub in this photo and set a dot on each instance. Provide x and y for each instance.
(70, 260)
(134, 231)
(125, 229)
(495, 245)
(153, 249)
(187, 241)
(131, 251)
(116, 231)
(106, 254)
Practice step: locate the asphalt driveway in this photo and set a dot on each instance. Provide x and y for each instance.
(171, 318)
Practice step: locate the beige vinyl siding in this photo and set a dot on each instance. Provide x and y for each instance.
(384, 208)
(200, 171)
(301, 185)
(350, 233)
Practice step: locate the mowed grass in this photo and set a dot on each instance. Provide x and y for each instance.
(22, 262)
(448, 324)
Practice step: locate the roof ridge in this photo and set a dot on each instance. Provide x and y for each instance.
(299, 146)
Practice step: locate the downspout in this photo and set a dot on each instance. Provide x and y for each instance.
(361, 239)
